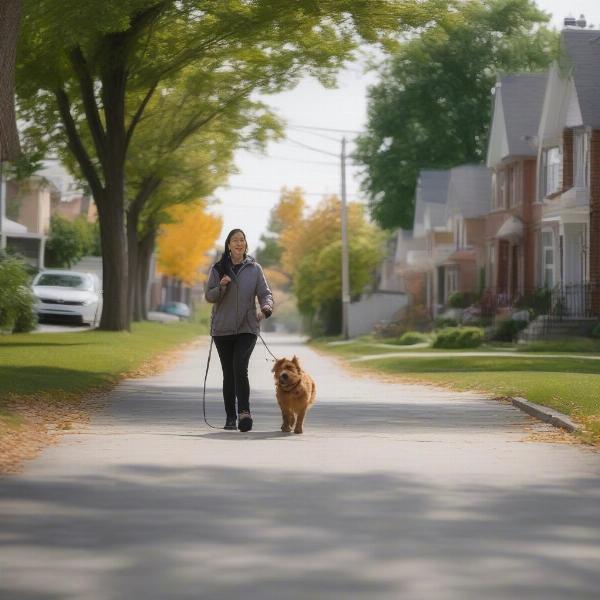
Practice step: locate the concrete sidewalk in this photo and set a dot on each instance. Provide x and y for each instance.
(394, 491)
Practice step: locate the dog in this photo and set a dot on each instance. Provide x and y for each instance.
(296, 393)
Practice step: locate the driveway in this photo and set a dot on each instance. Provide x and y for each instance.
(394, 491)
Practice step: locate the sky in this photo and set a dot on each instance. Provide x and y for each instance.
(290, 164)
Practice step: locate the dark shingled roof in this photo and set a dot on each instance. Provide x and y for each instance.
(582, 48)
(522, 101)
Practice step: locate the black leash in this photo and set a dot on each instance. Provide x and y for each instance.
(206, 375)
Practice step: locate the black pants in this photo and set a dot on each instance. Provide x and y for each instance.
(234, 352)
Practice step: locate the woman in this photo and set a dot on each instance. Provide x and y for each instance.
(233, 284)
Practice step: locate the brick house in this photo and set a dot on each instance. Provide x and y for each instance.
(469, 197)
(512, 225)
(568, 177)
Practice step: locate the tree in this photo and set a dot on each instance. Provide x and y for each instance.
(286, 214)
(432, 106)
(183, 149)
(69, 241)
(88, 71)
(10, 14)
(184, 243)
(312, 252)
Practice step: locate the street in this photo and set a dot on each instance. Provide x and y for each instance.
(393, 491)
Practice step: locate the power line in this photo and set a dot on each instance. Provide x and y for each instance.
(326, 129)
(302, 145)
(320, 135)
(275, 191)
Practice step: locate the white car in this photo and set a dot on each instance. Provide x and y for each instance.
(68, 296)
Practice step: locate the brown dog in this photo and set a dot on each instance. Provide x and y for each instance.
(295, 391)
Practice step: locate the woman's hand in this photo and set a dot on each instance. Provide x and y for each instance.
(260, 316)
(224, 280)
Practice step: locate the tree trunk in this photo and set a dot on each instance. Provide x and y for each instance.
(145, 249)
(10, 15)
(114, 266)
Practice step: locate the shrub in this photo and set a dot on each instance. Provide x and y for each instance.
(416, 316)
(596, 332)
(412, 337)
(536, 301)
(460, 300)
(443, 322)
(508, 331)
(459, 337)
(16, 300)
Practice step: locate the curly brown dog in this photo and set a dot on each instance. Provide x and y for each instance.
(295, 391)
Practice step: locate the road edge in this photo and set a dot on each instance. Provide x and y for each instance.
(548, 415)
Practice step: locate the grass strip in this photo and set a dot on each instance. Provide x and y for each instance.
(565, 383)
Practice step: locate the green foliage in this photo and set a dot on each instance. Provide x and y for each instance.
(508, 330)
(432, 107)
(413, 337)
(16, 300)
(537, 301)
(69, 241)
(317, 282)
(442, 322)
(596, 332)
(458, 337)
(461, 300)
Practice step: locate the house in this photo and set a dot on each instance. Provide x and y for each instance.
(469, 199)
(512, 225)
(25, 219)
(568, 177)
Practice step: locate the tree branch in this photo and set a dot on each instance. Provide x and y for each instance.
(138, 114)
(76, 145)
(86, 83)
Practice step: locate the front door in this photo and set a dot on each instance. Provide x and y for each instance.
(503, 266)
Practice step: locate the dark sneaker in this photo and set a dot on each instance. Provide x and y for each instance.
(230, 424)
(244, 421)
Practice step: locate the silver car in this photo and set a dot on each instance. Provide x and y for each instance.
(68, 296)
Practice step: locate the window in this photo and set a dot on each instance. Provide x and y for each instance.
(498, 198)
(580, 159)
(509, 187)
(515, 185)
(547, 259)
(550, 174)
(451, 281)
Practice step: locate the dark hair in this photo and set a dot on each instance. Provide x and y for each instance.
(225, 259)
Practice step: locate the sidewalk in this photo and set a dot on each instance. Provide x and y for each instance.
(393, 491)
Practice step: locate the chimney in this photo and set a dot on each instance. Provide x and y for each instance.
(570, 22)
(581, 22)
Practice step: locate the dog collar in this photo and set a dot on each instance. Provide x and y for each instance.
(291, 388)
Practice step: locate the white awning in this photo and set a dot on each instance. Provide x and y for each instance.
(9, 226)
(511, 228)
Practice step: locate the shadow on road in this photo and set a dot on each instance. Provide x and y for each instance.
(262, 533)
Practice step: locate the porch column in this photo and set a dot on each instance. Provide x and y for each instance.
(595, 221)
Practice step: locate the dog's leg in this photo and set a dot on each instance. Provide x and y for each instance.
(300, 420)
(288, 420)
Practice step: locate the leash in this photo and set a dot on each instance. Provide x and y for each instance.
(208, 365)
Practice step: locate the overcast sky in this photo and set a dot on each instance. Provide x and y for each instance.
(309, 104)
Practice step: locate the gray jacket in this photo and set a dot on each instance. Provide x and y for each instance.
(235, 309)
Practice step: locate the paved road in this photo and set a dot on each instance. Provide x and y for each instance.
(394, 491)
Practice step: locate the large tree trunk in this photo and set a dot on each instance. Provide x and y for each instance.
(10, 14)
(114, 266)
(145, 249)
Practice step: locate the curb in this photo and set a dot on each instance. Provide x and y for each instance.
(546, 414)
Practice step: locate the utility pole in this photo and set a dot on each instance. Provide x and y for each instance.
(345, 268)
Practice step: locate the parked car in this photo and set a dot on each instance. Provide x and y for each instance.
(180, 309)
(68, 296)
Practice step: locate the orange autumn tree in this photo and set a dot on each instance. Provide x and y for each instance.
(183, 243)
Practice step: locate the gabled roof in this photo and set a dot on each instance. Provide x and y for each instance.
(582, 53)
(431, 196)
(518, 101)
(469, 191)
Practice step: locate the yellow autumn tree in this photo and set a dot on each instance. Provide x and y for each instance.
(183, 244)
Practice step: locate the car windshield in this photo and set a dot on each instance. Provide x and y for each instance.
(65, 280)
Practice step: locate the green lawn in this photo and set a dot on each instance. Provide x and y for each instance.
(568, 384)
(79, 361)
